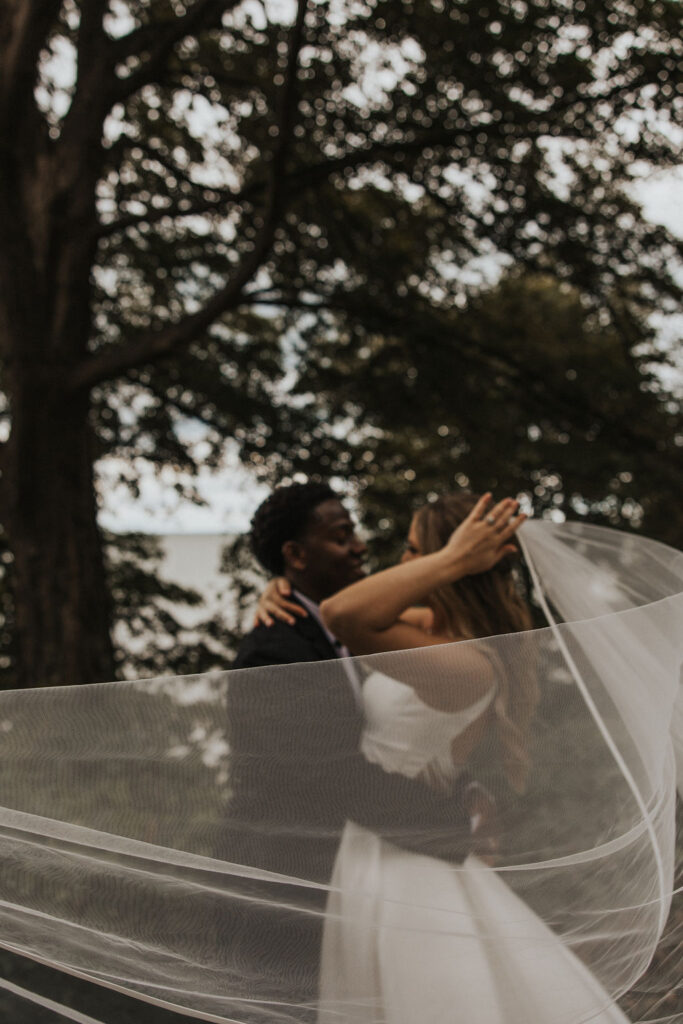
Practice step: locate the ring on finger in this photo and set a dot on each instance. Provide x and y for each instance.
(490, 519)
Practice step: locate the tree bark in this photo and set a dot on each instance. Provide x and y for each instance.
(48, 504)
(62, 608)
(47, 498)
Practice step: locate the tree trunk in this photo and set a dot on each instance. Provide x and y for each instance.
(62, 609)
(47, 499)
(48, 504)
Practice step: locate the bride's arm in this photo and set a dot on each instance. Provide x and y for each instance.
(367, 615)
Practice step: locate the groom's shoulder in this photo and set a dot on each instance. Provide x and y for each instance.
(279, 644)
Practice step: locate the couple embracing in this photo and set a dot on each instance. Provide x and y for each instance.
(356, 781)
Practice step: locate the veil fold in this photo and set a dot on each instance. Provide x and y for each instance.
(157, 837)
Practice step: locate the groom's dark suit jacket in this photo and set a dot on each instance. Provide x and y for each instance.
(296, 776)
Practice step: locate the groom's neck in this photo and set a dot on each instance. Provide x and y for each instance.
(311, 589)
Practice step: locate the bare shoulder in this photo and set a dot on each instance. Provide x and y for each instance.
(455, 675)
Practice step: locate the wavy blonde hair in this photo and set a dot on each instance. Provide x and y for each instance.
(486, 604)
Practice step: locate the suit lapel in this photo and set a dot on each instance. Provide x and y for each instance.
(315, 635)
(311, 629)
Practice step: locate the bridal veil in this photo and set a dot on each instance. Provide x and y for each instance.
(119, 838)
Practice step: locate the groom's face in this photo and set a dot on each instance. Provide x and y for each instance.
(329, 555)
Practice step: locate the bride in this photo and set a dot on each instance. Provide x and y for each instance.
(409, 938)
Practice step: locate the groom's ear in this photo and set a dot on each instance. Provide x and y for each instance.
(294, 556)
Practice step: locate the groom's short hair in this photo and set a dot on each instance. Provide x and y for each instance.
(283, 516)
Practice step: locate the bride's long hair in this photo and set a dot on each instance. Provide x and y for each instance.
(485, 604)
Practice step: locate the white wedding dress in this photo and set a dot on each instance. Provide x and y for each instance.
(410, 939)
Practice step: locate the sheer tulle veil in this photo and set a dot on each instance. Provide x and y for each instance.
(123, 856)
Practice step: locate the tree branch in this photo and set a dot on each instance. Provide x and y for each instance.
(91, 33)
(174, 210)
(164, 342)
(550, 397)
(24, 27)
(82, 125)
(162, 37)
(304, 177)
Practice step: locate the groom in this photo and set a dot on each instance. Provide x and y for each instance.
(294, 735)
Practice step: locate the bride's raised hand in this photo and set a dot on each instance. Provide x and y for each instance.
(483, 538)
